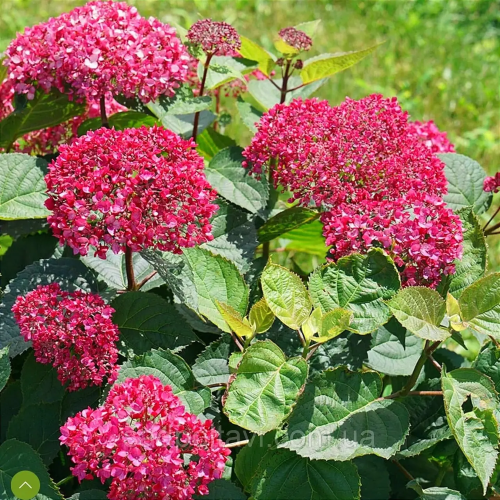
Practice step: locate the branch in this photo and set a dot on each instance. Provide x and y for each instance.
(237, 443)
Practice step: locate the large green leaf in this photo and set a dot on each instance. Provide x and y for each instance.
(286, 295)
(488, 362)
(22, 187)
(439, 493)
(146, 321)
(480, 305)
(183, 102)
(254, 52)
(71, 275)
(224, 69)
(465, 183)
(249, 114)
(286, 221)
(339, 417)
(283, 475)
(212, 365)
(15, 457)
(44, 110)
(470, 402)
(222, 489)
(234, 183)
(308, 239)
(360, 283)
(420, 310)
(172, 370)
(120, 121)
(265, 388)
(4, 366)
(375, 481)
(89, 495)
(326, 65)
(210, 142)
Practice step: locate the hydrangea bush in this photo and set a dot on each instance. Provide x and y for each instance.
(305, 315)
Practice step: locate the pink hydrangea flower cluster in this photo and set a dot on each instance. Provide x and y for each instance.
(296, 38)
(72, 331)
(146, 443)
(421, 235)
(135, 188)
(214, 38)
(432, 137)
(492, 184)
(102, 47)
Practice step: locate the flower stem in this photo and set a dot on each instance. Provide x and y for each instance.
(491, 230)
(65, 480)
(104, 117)
(491, 218)
(146, 279)
(237, 443)
(414, 393)
(305, 351)
(129, 266)
(202, 89)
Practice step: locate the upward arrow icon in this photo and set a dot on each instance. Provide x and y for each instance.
(27, 484)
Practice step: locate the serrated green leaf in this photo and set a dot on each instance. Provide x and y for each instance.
(120, 121)
(172, 370)
(476, 429)
(339, 417)
(375, 480)
(250, 115)
(326, 65)
(184, 102)
(480, 305)
(252, 51)
(22, 187)
(286, 295)
(212, 365)
(146, 321)
(4, 366)
(421, 310)
(89, 495)
(15, 457)
(234, 320)
(289, 219)
(265, 388)
(465, 183)
(11, 400)
(333, 323)
(234, 183)
(439, 493)
(43, 111)
(488, 362)
(261, 317)
(222, 489)
(224, 69)
(360, 283)
(210, 142)
(283, 475)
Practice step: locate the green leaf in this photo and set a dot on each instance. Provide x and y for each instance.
(421, 310)
(172, 370)
(438, 493)
(360, 283)
(394, 350)
(465, 183)
(71, 275)
(234, 320)
(76, 401)
(15, 457)
(375, 481)
(249, 114)
(309, 28)
(234, 183)
(89, 495)
(22, 187)
(120, 121)
(210, 142)
(265, 388)
(11, 400)
(333, 323)
(253, 51)
(283, 475)
(480, 305)
(308, 239)
(488, 362)
(283, 47)
(43, 111)
(286, 221)
(212, 365)
(147, 321)
(184, 102)
(261, 317)
(222, 489)
(224, 69)
(326, 65)
(286, 295)
(338, 417)
(470, 401)
(4, 366)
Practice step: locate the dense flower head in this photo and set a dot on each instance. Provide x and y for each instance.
(432, 137)
(99, 48)
(146, 443)
(360, 150)
(135, 188)
(214, 37)
(296, 38)
(492, 184)
(422, 236)
(72, 331)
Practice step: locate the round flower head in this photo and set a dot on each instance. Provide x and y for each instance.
(432, 137)
(146, 443)
(135, 188)
(214, 38)
(72, 331)
(359, 150)
(296, 39)
(422, 236)
(99, 48)
(492, 184)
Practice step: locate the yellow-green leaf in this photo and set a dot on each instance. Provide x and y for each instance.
(261, 317)
(234, 320)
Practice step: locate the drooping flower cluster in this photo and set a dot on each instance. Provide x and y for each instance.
(492, 184)
(135, 188)
(72, 331)
(296, 38)
(146, 443)
(102, 47)
(432, 137)
(214, 38)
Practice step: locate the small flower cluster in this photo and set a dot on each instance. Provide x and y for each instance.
(492, 184)
(432, 137)
(99, 48)
(296, 38)
(72, 331)
(135, 188)
(214, 38)
(146, 443)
